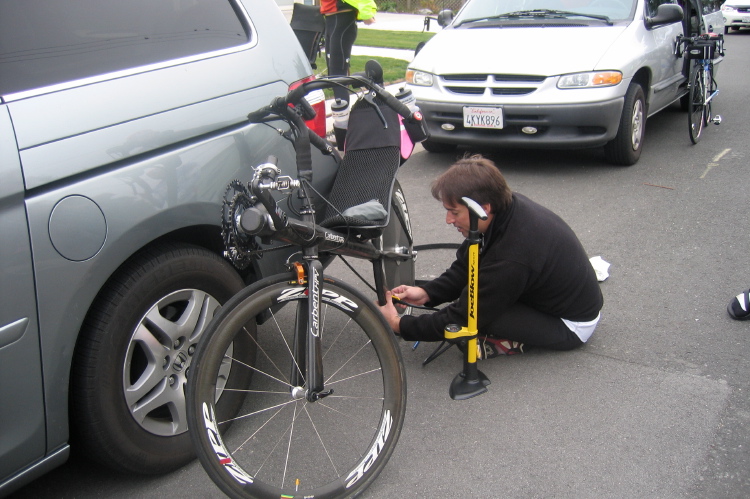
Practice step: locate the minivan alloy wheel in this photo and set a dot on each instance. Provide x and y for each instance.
(158, 359)
(133, 357)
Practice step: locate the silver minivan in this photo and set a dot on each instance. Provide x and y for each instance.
(555, 74)
(121, 125)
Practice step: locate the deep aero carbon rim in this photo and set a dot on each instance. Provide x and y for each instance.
(279, 444)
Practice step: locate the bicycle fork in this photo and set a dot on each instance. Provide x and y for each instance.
(708, 96)
(307, 369)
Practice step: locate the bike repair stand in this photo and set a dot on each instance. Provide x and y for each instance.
(471, 381)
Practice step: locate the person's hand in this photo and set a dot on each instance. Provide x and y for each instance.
(390, 313)
(411, 294)
(369, 21)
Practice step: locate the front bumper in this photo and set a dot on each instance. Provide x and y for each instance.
(568, 126)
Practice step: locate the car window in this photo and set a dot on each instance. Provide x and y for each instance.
(479, 9)
(44, 43)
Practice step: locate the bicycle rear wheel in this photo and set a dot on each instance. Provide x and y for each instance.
(280, 444)
(696, 103)
(397, 238)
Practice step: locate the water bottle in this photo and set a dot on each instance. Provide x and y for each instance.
(340, 112)
(406, 98)
(412, 130)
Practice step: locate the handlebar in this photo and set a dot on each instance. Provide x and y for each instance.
(704, 36)
(295, 98)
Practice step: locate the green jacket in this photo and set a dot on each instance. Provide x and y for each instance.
(366, 8)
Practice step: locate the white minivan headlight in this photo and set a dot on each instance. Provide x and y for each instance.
(418, 78)
(594, 79)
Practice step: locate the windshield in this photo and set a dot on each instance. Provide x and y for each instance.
(480, 11)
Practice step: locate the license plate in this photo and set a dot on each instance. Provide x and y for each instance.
(746, 19)
(483, 117)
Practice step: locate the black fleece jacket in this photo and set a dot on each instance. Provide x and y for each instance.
(529, 255)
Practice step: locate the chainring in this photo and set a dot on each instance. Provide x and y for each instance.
(239, 248)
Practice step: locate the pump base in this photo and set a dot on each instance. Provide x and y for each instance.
(464, 387)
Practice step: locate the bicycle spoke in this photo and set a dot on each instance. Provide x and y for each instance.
(243, 416)
(341, 331)
(255, 369)
(352, 377)
(280, 439)
(286, 344)
(347, 361)
(285, 444)
(322, 444)
(268, 357)
(259, 429)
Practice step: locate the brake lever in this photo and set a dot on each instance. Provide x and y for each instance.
(370, 98)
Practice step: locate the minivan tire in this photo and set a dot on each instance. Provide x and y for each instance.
(625, 148)
(140, 332)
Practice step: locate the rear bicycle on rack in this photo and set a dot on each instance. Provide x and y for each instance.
(701, 50)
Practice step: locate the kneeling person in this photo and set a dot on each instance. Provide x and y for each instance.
(537, 287)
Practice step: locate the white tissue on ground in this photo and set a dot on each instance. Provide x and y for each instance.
(600, 267)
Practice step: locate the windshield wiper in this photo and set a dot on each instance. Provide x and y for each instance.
(537, 13)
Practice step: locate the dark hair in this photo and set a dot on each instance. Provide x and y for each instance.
(475, 177)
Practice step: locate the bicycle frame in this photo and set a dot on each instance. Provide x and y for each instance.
(708, 74)
(265, 219)
(312, 238)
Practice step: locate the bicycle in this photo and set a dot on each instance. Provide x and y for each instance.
(702, 87)
(322, 356)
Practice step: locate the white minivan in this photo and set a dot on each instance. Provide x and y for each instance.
(555, 74)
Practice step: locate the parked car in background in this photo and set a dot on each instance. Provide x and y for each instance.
(121, 124)
(554, 74)
(736, 15)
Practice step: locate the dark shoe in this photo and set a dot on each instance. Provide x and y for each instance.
(739, 307)
(492, 347)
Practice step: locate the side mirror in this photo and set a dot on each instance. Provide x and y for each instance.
(666, 13)
(444, 18)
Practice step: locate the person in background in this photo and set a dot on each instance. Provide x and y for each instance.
(739, 307)
(341, 31)
(537, 287)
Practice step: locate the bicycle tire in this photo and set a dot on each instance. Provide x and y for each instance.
(696, 104)
(334, 447)
(397, 236)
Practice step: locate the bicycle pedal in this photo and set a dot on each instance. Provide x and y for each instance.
(716, 120)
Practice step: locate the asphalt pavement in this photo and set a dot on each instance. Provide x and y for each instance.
(655, 405)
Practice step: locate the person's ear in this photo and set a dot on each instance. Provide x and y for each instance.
(487, 208)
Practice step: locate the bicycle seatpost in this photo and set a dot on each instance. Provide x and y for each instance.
(471, 381)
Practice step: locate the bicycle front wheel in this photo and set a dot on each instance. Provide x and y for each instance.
(280, 444)
(696, 103)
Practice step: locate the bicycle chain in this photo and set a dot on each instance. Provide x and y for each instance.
(238, 247)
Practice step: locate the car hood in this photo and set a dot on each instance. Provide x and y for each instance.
(535, 51)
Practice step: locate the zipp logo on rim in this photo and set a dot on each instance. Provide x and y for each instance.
(373, 453)
(209, 421)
